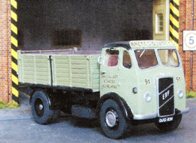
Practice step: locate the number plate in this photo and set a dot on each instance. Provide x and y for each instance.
(166, 119)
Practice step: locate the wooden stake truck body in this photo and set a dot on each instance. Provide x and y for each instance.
(126, 83)
(78, 71)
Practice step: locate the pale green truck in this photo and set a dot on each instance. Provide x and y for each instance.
(127, 83)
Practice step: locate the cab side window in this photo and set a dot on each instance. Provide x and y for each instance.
(112, 57)
(126, 60)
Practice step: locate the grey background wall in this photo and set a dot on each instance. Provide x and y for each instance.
(100, 21)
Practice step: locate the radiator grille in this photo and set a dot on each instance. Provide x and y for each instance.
(166, 96)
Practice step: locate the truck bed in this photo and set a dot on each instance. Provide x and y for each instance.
(59, 69)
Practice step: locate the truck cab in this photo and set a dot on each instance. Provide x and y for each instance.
(148, 78)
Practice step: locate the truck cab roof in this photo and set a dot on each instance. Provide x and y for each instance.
(142, 44)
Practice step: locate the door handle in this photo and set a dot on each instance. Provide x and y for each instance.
(102, 73)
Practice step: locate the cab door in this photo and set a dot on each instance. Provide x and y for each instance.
(118, 73)
(109, 70)
(128, 88)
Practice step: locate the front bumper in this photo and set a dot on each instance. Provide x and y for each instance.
(155, 115)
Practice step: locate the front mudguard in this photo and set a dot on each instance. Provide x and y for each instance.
(121, 102)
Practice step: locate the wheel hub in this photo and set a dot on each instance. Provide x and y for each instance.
(111, 118)
(41, 107)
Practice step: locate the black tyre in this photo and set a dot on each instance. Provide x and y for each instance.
(112, 120)
(40, 106)
(169, 126)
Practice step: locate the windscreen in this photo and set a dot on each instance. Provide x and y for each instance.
(169, 57)
(146, 58)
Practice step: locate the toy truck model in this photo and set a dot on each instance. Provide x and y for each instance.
(127, 83)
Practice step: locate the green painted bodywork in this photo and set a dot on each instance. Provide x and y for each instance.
(80, 71)
(89, 71)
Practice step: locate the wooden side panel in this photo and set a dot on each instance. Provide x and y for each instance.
(80, 71)
(76, 71)
(61, 70)
(34, 69)
(26, 69)
(42, 70)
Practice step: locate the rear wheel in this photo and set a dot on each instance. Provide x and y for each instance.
(169, 126)
(40, 106)
(112, 120)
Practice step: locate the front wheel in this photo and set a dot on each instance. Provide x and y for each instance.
(112, 120)
(40, 106)
(169, 126)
